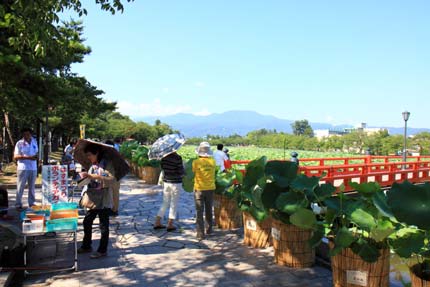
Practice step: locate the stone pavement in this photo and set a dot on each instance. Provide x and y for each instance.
(140, 256)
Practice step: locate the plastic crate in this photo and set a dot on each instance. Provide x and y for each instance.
(61, 224)
(33, 226)
(64, 205)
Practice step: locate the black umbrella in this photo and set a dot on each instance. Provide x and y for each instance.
(120, 165)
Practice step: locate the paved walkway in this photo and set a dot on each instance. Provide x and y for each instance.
(140, 256)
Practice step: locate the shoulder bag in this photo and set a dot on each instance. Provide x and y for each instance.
(92, 198)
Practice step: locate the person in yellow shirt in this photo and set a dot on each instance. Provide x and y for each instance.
(204, 169)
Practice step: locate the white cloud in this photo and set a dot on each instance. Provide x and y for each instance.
(154, 108)
(203, 112)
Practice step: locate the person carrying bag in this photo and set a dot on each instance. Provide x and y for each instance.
(98, 199)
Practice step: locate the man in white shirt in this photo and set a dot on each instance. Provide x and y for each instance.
(220, 157)
(26, 156)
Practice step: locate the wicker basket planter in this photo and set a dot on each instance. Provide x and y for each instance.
(257, 234)
(349, 270)
(415, 280)
(149, 174)
(291, 246)
(227, 214)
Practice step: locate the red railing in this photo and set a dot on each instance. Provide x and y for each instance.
(383, 169)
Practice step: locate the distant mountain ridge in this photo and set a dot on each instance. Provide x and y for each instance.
(242, 122)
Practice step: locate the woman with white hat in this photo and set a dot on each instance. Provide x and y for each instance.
(204, 185)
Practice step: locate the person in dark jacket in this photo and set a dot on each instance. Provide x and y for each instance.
(173, 170)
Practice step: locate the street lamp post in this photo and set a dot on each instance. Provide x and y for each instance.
(405, 115)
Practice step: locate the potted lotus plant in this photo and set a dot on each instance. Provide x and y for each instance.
(275, 190)
(256, 219)
(410, 205)
(358, 227)
(291, 199)
(226, 212)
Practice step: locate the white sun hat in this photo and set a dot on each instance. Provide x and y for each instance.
(204, 149)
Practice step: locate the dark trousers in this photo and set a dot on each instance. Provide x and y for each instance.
(204, 202)
(104, 228)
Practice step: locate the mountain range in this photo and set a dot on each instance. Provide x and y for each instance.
(242, 122)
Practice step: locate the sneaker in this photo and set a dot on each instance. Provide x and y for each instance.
(171, 228)
(97, 255)
(84, 250)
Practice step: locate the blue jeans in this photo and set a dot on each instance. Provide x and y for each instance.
(23, 177)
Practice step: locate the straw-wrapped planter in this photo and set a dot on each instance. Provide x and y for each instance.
(417, 281)
(291, 245)
(227, 214)
(350, 270)
(149, 174)
(257, 234)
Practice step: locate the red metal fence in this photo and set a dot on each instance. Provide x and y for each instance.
(383, 169)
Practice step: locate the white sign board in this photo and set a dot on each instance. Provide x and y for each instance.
(251, 225)
(54, 184)
(356, 277)
(276, 234)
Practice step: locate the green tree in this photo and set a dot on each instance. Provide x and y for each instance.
(302, 128)
(422, 141)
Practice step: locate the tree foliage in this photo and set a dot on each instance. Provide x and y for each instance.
(36, 54)
(302, 128)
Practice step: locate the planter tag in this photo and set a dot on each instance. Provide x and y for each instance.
(276, 234)
(251, 225)
(356, 277)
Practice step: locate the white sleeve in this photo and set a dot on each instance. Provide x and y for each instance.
(17, 151)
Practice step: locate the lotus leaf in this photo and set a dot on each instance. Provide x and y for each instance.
(407, 241)
(380, 201)
(256, 197)
(306, 185)
(363, 219)
(290, 202)
(254, 171)
(366, 188)
(383, 229)
(368, 251)
(324, 191)
(343, 239)
(317, 235)
(257, 213)
(411, 203)
(283, 172)
(188, 179)
(303, 218)
(270, 193)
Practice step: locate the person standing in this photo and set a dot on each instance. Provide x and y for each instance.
(204, 168)
(117, 143)
(173, 170)
(26, 156)
(220, 157)
(101, 181)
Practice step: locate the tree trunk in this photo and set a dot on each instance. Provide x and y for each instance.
(9, 136)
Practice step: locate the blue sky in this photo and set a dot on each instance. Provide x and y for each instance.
(340, 62)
